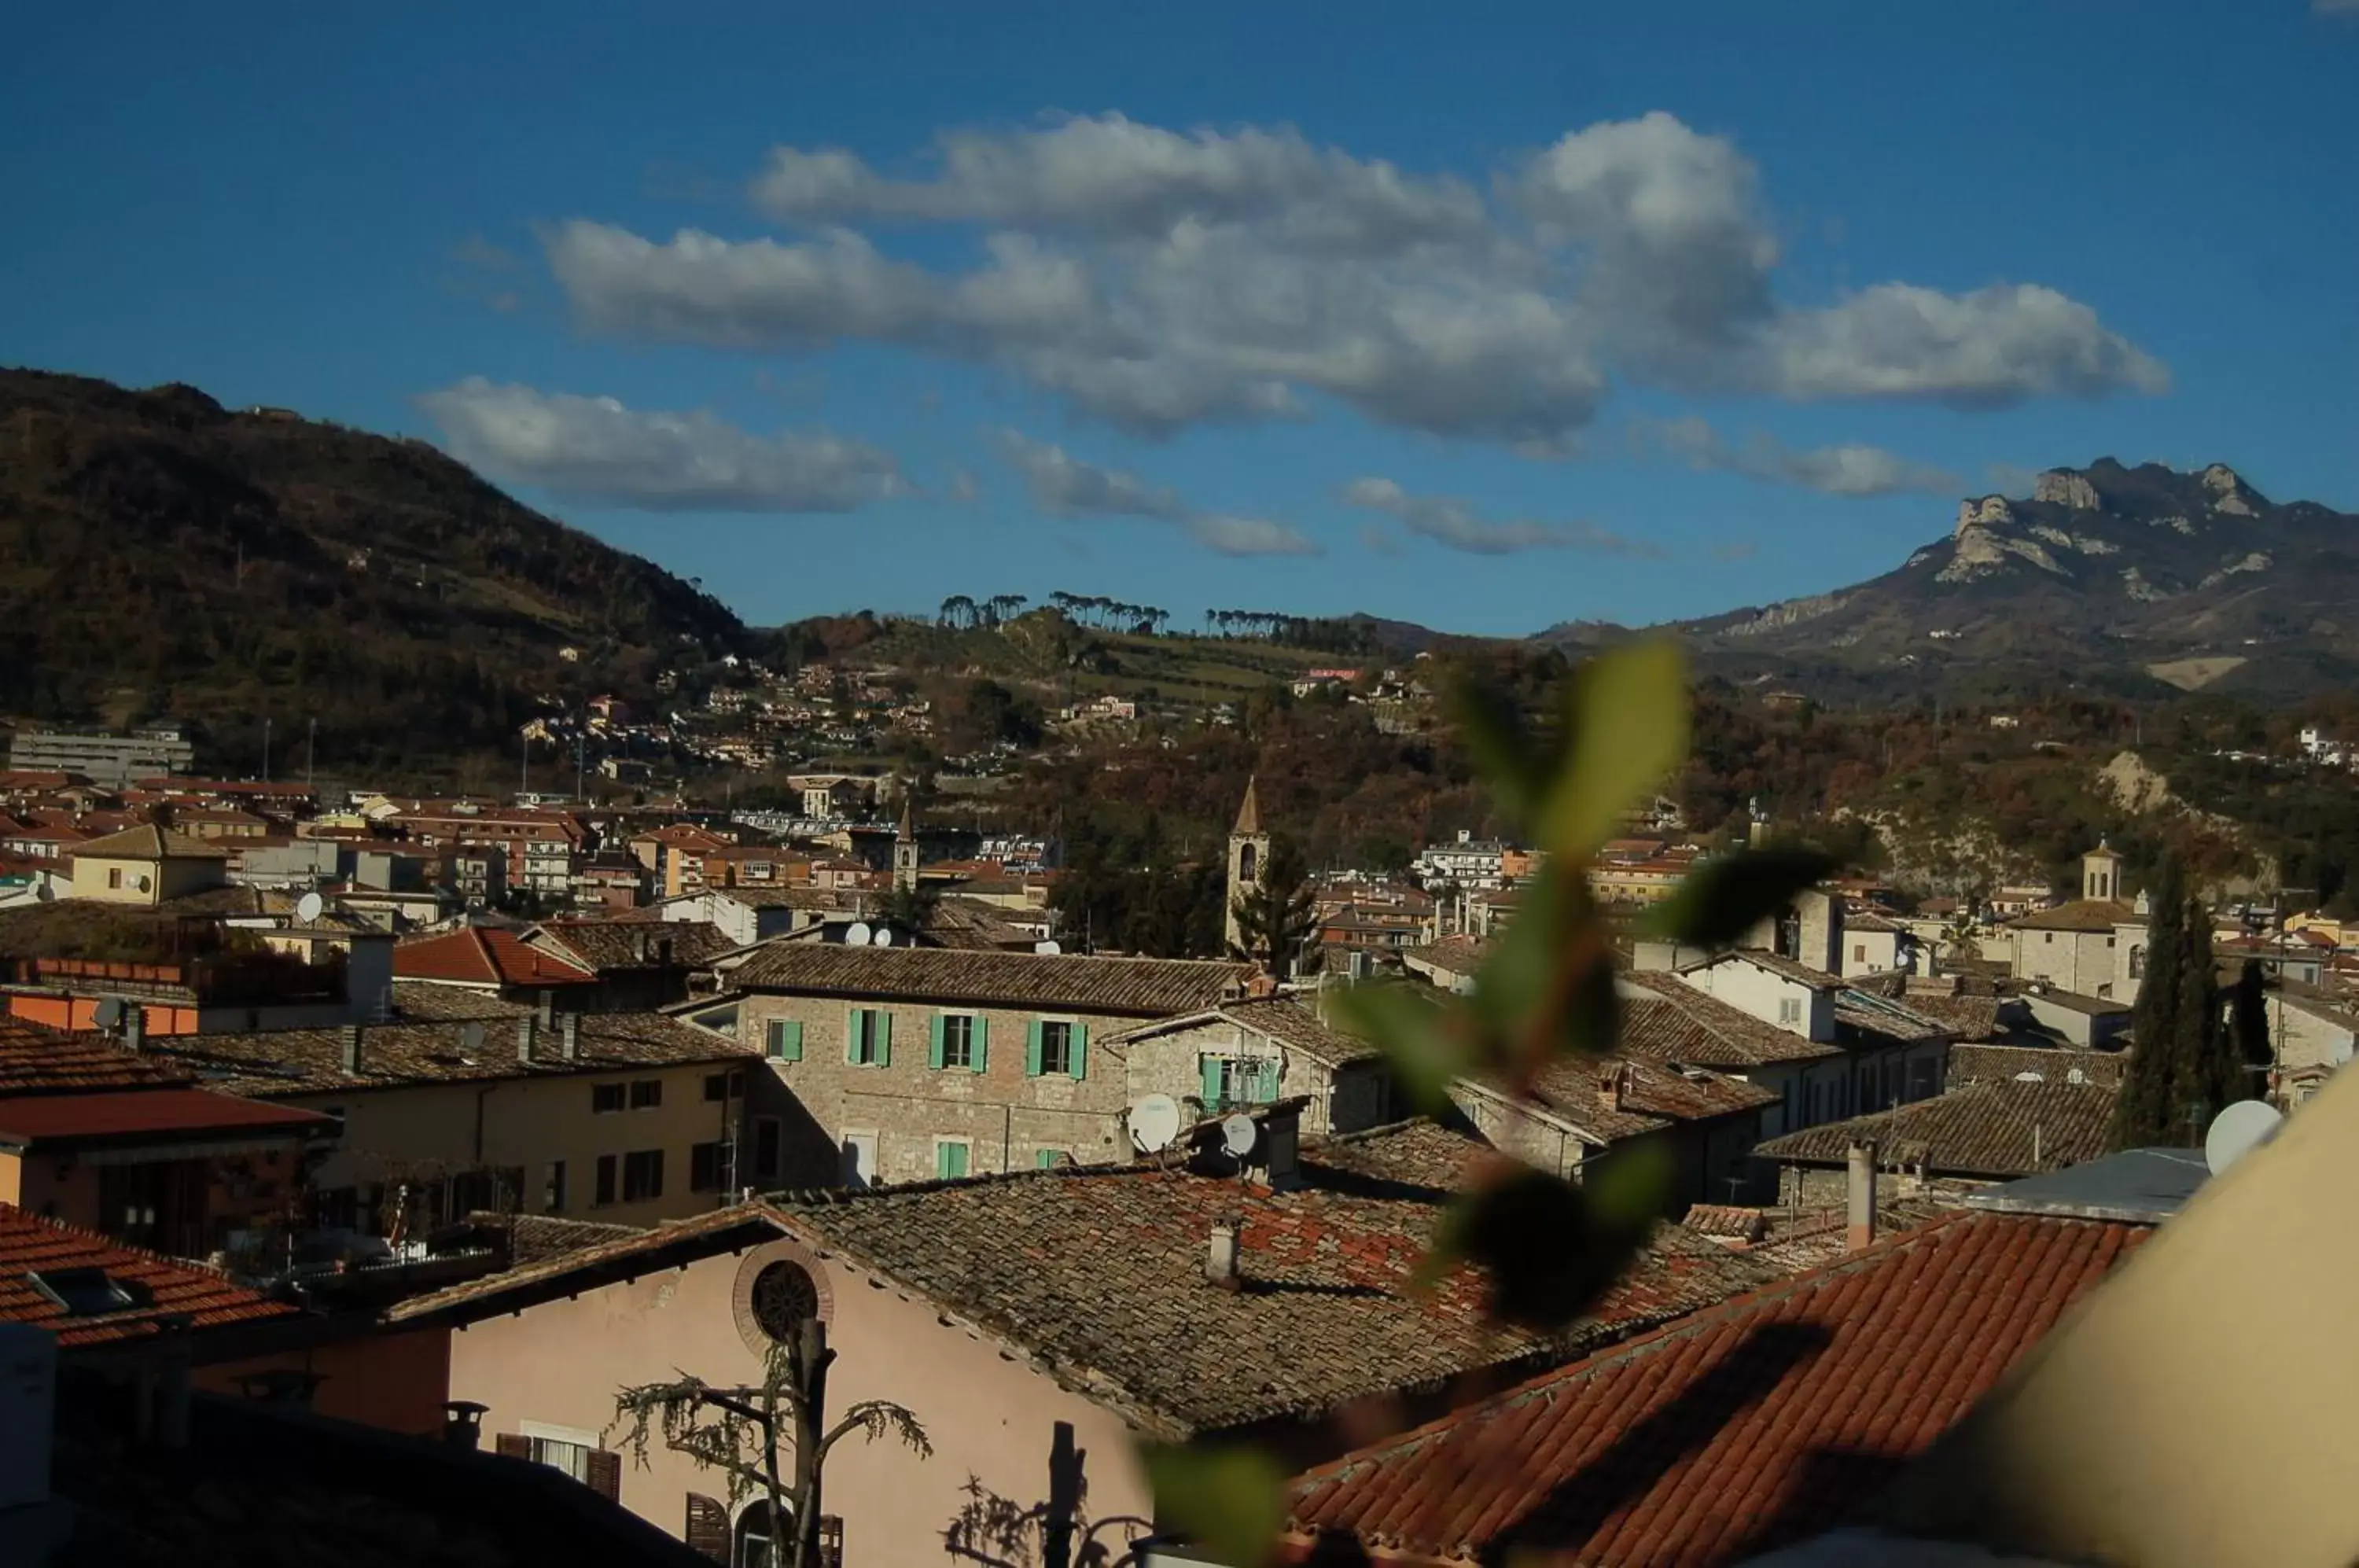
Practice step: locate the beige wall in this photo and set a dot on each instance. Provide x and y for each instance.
(2094, 963)
(989, 1417)
(1171, 1064)
(1007, 1119)
(432, 1131)
(165, 879)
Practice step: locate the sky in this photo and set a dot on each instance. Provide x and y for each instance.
(1482, 316)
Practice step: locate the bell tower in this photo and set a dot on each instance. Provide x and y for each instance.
(905, 852)
(1249, 860)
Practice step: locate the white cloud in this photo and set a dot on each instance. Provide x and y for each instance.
(597, 452)
(963, 488)
(2335, 8)
(1851, 469)
(1063, 485)
(1158, 279)
(1450, 522)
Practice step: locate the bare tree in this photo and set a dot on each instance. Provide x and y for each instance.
(739, 1431)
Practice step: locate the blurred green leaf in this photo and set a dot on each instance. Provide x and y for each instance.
(1515, 763)
(1626, 1189)
(1721, 900)
(1414, 1033)
(1232, 1501)
(1533, 1237)
(1628, 728)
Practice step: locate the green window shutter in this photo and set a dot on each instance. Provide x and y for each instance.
(934, 1048)
(1032, 1049)
(950, 1160)
(884, 1037)
(785, 1040)
(979, 1044)
(851, 1035)
(1081, 1052)
(1044, 1159)
(1209, 1067)
(1268, 1080)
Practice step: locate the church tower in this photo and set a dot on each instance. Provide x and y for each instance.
(2101, 874)
(905, 852)
(1248, 859)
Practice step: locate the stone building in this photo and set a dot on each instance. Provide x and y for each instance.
(1248, 861)
(1256, 1051)
(917, 1063)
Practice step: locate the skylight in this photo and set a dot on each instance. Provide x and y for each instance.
(89, 1291)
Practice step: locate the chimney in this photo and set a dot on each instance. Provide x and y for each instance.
(526, 1029)
(1221, 1267)
(1861, 1230)
(462, 1424)
(353, 1050)
(1611, 1085)
(135, 1029)
(569, 1037)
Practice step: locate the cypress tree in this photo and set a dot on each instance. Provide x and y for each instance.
(2248, 1021)
(2206, 1074)
(2143, 1110)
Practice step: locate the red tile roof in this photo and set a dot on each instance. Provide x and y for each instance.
(36, 1061)
(30, 1245)
(130, 1114)
(480, 955)
(1747, 1425)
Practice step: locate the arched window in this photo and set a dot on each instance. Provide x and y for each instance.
(2137, 963)
(784, 1295)
(1248, 862)
(758, 1544)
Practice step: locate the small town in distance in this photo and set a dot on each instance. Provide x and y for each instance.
(1062, 787)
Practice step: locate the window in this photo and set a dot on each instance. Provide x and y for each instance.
(2137, 963)
(785, 1297)
(114, 876)
(1050, 1159)
(646, 1094)
(765, 1147)
(716, 1086)
(1056, 1048)
(2048, 939)
(573, 1458)
(958, 1042)
(1789, 1010)
(1237, 1081)
(605, 1190)
(1859, 953)
(605, 1097)
(708, 1167)
(950, 1157)
(782, 1040)
(552, 1188)
(868, 1038)
(642, 1175)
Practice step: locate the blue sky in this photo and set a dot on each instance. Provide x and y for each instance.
(1481, 316)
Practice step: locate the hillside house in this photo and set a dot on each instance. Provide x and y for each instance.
(147, 865)
(1254, 1052)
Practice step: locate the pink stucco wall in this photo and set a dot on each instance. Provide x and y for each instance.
(991, 1416)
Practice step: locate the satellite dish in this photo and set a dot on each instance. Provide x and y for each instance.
(108, 1012)
(1154, 1122)
(856, 934)
(1239, 1133)
(2237, 1131)
(309, 908)
(471, 1039)
(882, 936)
(1047, 947)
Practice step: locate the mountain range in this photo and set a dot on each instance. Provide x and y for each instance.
(2132, 581)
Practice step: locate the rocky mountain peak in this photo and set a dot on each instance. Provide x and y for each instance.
(2229, 491)
(2066, 487)
(1984, 512)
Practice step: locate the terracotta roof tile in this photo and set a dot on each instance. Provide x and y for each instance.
(30, 1245)
(1976, 1063)
(1140, 986)
(1759, 1422)
(485, 955)
(277, 1062)
(600, 946)
(149, 841)
(2080, 915)
(1994, 1130)
(48, 1120)
(1669, 1020)
(37, 1060)
(1279, 1018)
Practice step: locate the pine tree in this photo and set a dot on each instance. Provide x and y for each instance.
(2143, 1110)
(1276, 916)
